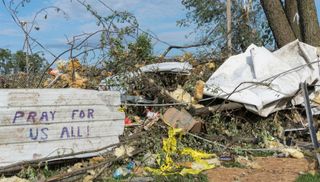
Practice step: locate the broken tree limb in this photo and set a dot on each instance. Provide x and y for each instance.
(54, 81)
(81, 171)
(185, 47)
(217, 108)
(222, 147)
(312, 129)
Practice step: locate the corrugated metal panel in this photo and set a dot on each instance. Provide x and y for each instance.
(37, 123)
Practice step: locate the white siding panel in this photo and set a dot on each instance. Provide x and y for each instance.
(38, 123)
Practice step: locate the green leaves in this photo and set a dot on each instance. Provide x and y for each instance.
(248, 25)
(15, 62)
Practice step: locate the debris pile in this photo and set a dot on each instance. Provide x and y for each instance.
(184, 117)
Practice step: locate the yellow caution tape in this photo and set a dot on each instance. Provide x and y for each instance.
(169, 167)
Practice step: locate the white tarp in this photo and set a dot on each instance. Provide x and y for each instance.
(264, 81)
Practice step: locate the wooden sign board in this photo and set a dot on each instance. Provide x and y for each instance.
(39, 123)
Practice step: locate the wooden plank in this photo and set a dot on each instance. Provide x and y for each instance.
(14, 153)
(59, 131)
(67, 97)
(55, 114)
(37, 123)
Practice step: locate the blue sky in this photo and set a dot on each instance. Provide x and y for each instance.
(158, 16)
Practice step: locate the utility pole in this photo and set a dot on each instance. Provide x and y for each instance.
(229, 36)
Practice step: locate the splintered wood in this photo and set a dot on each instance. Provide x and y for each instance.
(39, 123)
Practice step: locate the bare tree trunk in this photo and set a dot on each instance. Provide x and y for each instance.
(278, 22)
(229, 36)
(291, 9)
(309, 22)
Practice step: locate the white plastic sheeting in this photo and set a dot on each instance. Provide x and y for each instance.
(183, 67)
(264, 81)
(118, 82)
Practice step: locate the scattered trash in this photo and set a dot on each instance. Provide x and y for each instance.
(295, 153)
(152, 118)
(127, 121)
(180, 95)
(123, 150)
(181, 119)
(122, 172)
(225, 158)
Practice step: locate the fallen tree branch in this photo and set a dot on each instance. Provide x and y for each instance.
(107, 163)
(217, 108)
(184, 47)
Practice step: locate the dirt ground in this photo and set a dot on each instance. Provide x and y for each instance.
(267, 169)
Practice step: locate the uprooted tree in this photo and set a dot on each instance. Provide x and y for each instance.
(295, 19)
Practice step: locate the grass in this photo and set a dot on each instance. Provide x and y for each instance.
(178, 178)
(308, 178)
(171, 178)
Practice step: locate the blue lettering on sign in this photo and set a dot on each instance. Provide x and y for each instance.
(19, 114)
(64, 133)
(34, 133)
(41, 134)
(82, 114)
(45, 137)
(47, 116)
(44, 116)
(72, 132)
(52, 114)
(33, 116)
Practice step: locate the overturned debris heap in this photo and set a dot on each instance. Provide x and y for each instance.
(166, 118)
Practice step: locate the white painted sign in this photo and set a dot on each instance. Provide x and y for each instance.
(38, 123)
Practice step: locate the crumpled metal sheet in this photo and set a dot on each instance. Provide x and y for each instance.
(264, 81)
